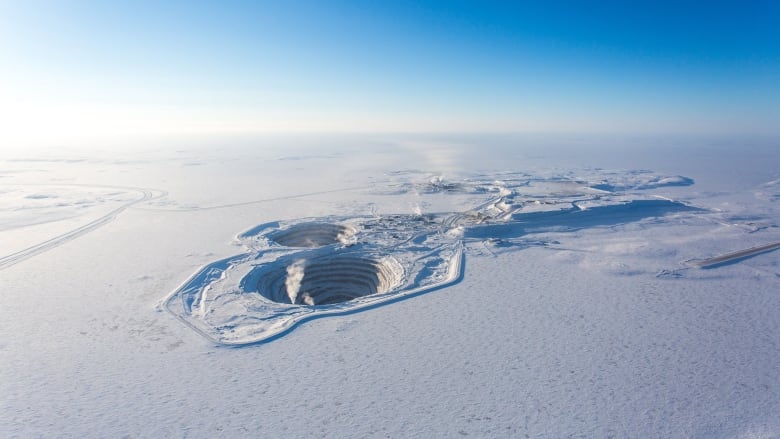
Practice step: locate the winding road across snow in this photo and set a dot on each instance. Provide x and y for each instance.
(21, 255)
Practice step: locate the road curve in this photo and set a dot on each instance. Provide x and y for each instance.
(21, 255)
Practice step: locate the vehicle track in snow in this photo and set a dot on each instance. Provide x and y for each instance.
(29, 252)
(248, 203)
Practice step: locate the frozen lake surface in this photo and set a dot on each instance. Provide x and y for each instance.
(392, 287)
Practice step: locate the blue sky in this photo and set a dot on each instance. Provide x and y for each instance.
(73, 68)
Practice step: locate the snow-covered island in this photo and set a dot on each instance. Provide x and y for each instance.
(364, 288)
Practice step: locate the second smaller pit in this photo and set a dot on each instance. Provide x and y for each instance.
(311, 235)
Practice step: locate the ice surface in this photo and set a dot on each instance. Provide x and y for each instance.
(490, 290)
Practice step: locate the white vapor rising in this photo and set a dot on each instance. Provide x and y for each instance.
(294, 278)
(347, 237)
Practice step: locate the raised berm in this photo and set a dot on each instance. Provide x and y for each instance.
(330, 279)
(310, 235)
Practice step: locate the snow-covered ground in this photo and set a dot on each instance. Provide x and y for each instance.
(499, 287)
